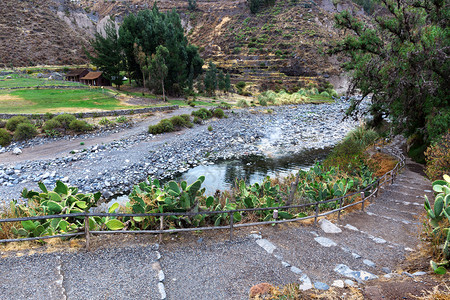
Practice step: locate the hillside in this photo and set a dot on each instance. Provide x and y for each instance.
(281, 46)
(31, 33)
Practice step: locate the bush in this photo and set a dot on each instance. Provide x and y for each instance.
(325, 94)
(218, 113)
(79, 126)
(5, 138)
(164, 125)
(210, 128)
(12, 123)
(362, 136)
(186, 117)
(65, 120)
(121, 119)
(242, 103)
(2, 124)
(51, 124)
(262, 101)
(104, 122)
(25, 131)
(197, 120)
(438, 158)
(240, 85)
(178, 121)
(202, 113)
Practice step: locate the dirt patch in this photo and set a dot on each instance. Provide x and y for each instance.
(8, 100)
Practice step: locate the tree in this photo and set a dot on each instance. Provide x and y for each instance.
(158, 68)
(108, 56)
(221, 80)
(402, 61)
(210, 80)
(141, 59)
(150, 29)
(227, 83)
(192, 5)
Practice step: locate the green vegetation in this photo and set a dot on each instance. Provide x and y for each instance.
(5, 138)
(402, 63)
(136, 51)
(28, 81)
(438, 157)
(55, 100)
(438, 225)
(25, 131)
(12, 123)
(256, 5)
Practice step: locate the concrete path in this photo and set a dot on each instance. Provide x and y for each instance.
(361, 246)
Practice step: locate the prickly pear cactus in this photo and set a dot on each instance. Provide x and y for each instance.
(438, 214)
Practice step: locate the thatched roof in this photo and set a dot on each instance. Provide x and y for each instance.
(92, 75)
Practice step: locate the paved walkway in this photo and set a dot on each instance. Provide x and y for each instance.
(361, 246)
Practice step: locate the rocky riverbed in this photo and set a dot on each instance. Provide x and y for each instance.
(114, 167)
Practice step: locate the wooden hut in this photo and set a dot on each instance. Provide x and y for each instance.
(76, 74)
(95, 79)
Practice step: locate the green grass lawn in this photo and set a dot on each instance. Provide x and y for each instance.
(25, 81)
(54, 100)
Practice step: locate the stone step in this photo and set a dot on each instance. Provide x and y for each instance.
(410, 213)
(363, 246)
(382, 228)
(314, 254)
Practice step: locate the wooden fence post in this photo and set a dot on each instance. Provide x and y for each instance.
(317, 214)
(86, 231)
(340, 207)
(363, 199)
(231, 225)
(161, 227)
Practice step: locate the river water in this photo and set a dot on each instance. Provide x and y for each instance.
(222, 175)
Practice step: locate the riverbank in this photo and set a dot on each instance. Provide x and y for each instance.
(112, 167)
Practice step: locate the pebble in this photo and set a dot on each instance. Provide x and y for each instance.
(338, 283)
(326, 242)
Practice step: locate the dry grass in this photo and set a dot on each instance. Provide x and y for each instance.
(381, 163)
(439, 292)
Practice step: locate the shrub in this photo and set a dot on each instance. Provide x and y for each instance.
(79, 126)
(218, 113)
(197, 120)
(438, 158)
(242, 103)
(104, 122)
(186, 117)
(178, 121)
(325, 94)
(5, 138)
(51, 124)
(25, 131)
(2, 124)
(164, 125)
(210, 128)
(362, 136)
(262, 100)
(121, 119)
(202, 113)
(65, 120)
(240, 85)
(12, 123)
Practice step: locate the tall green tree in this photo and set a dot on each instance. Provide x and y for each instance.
(227, 83)
(402, 61)
(150, 29)
(158, 68)
(210, 80)
(221, 80)
(108, 55)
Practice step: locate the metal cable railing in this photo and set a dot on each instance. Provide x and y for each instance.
(372, 189)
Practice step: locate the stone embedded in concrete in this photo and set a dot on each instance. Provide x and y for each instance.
(338, 283)
(306, 283)
(162, 291)
(321, 286)
(351, 227)
(266, 245)
(357, 275)
(369, 263)
(326, 242)
(296, 270)
(329, 227)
